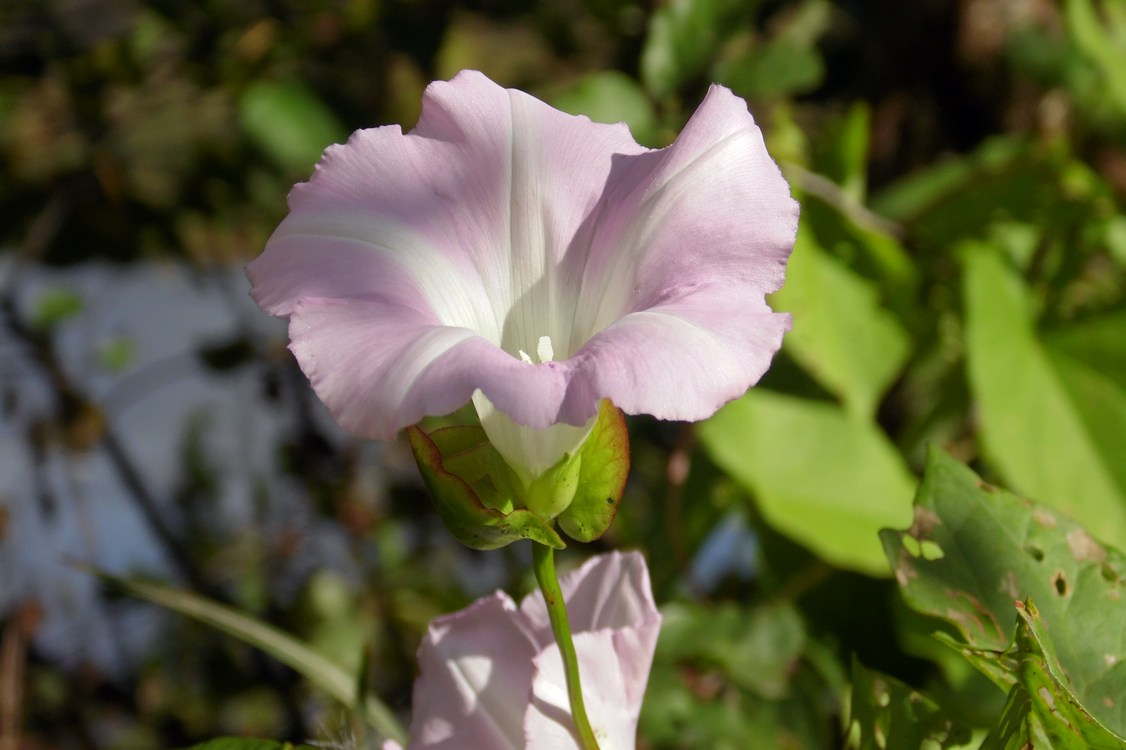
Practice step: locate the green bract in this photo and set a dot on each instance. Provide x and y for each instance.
(485, 507)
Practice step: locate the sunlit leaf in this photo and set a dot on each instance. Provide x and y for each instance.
(820, 475)
(841, 336)
(1033, 428)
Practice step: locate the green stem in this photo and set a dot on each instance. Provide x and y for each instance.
(543, 563)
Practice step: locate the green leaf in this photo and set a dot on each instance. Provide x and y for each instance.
(975, 551)
(289, 122)
(957, 197)
(842, 336)
(1096, 342)
(243, 743)
(822, 476)
(683, 36)
(611, 96)
(1041, 711)
(757, 649)
(603, 468)
(885, 713)
(786, 63)
(285, 648)
(1090, 34)
(470, 485)
(1033, 426)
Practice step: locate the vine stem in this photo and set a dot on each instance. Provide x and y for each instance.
(543, 563)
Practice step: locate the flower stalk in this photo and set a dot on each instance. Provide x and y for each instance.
(543, 563)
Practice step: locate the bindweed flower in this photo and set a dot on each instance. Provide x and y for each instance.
(492, 677)
(535, 263)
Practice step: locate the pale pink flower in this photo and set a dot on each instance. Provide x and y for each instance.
(491, 677)
(534, 262)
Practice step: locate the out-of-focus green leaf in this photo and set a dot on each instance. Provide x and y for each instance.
(1007, 177)
(786, 63)
(842, 153)
(755, 649)
(1032, 425)
(975, 552)
(511, 52)
(289, 123)
(683, 38)
(299, 657)
(733, 677)
(820, 475)
(1102, 41)
(243, 743)
(841, 336)
(53, 306)
(885, 713)
(611, 96)
(1097, 343)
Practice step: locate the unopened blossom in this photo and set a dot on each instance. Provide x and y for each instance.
(535, 263)
(492, 677)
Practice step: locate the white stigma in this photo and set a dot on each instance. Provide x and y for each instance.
(543, 350)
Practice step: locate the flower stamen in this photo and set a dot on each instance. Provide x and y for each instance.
(544, 351)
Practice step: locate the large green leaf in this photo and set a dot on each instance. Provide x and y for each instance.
(1043, 428)
(296, 655)
(820, 475)
(975, 552)
(842, 336)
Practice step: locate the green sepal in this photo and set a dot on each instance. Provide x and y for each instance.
(472, 489)
(552, 492)
(603, 468)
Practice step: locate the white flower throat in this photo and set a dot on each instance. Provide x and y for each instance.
(544, 351)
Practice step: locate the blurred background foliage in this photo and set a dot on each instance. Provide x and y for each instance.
(959, 279)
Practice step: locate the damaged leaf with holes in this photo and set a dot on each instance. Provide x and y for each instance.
(1041, 710)
(886, 713)
(972, 558)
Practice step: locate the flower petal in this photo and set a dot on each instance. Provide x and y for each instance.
(523, 229)
(609, 592)
(379, 367)
(604, 670)
(699, 233)
(475, 673)
(460, 223)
